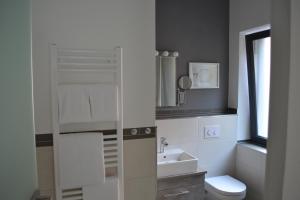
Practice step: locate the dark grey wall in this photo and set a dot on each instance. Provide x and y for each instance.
(199, 31)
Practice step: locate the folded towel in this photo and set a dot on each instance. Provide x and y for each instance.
(81, 159)
(103, 99)
(87, 103)
(74, 104)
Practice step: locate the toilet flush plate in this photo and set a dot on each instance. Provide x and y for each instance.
(211, 131)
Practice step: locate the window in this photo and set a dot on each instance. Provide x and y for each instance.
(258, 47)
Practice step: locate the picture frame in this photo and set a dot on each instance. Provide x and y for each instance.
(204, 75)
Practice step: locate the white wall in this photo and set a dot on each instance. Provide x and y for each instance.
(216, 155)
(250, 169)
(292, 159)
(98, 24)
(18, 179)
(283, 163)
(280, 70)
(244, 16)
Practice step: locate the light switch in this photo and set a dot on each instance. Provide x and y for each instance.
(211, 131)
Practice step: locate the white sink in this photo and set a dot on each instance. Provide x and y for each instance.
(175, 162)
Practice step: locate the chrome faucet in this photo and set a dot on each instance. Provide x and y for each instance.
(163, 144)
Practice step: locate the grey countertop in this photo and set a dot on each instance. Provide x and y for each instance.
(197, 173)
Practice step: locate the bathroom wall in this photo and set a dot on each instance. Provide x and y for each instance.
(216, 155)
(244, 16)
(98, 24)
(292, 175)
(101, 24)
(279, 101)
(45, 170)
(199, 31)
(250, 169)
(283, 163)
(18, 178)
(140, 169)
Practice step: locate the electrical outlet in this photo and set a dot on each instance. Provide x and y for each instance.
(211, 131)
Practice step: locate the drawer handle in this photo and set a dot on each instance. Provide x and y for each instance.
(185, 192)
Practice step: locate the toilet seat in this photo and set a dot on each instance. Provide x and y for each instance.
(225, 186)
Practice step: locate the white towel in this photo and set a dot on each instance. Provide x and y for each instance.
(103, 100)
(81, 159)
(107, 191)
(74, 105)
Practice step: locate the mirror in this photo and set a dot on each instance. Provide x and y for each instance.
(185, 83)
(166, 79)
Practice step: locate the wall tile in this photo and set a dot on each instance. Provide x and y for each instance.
(139, 169)
(139, 158)
(216, 155)
(177, 131)
(45, 166)
(140, 189)
(250, 168)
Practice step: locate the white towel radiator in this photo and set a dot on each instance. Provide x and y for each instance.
(94, 71)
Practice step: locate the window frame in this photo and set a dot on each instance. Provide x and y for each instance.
(255, 138)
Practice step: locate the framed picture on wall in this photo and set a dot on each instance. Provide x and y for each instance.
(204, 75)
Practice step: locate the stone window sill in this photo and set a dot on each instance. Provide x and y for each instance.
(253, 147)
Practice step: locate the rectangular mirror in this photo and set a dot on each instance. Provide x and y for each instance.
(165, 80)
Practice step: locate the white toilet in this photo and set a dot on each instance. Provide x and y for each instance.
(224, 188)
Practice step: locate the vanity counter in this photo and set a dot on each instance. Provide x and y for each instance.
(185, 186)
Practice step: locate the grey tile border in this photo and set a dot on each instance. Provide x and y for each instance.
(173, 113)
(139, 133)
(105, 132)
(43, 140)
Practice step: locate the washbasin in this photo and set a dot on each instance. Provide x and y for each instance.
(175, 162)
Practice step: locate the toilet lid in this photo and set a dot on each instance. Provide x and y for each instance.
(225, 185)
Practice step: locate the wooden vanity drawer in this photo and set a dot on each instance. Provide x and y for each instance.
(180, 181)
(193, 192)
(181, 187)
